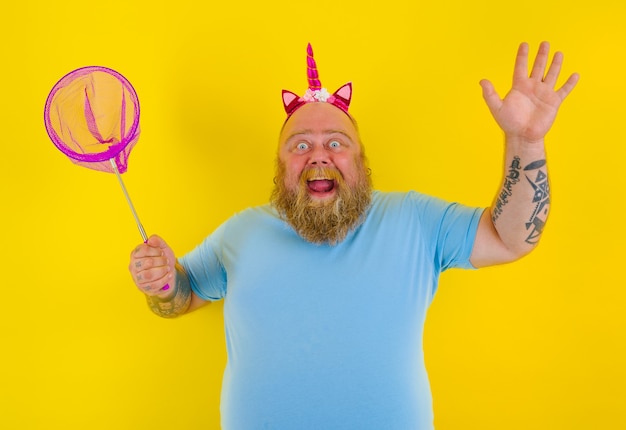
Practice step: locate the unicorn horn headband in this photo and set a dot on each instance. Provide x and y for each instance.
(340, 98)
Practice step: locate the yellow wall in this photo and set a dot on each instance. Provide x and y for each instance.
(534, 345)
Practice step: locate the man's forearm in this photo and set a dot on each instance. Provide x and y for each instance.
(521, 208)
(177, 302)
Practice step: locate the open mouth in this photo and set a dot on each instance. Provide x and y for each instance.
(321, 186)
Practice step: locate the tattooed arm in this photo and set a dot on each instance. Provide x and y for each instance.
(512, 226)
(158, 275)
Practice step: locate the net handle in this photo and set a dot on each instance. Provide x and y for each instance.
(144, 236)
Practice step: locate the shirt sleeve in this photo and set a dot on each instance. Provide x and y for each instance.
(204, 267)
(452, 227)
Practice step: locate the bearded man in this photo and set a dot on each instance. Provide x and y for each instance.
(326, 288)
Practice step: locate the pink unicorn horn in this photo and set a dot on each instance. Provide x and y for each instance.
(311, 69)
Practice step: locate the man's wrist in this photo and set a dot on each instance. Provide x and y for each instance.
(176, 299)
(520, 143)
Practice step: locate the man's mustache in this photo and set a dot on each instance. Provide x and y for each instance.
(320, 172)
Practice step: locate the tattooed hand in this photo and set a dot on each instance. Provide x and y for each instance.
(152, 267)
(156, 273)
(529, 109)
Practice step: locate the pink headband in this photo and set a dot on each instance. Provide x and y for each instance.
(340, 98)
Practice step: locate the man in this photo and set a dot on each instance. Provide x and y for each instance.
(326, 288)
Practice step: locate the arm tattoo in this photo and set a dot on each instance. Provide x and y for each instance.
(541, 199)
(511, 179)
(537, 177)
(175, 304)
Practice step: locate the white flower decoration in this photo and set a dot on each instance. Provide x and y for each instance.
(322, 95)
(317, 95)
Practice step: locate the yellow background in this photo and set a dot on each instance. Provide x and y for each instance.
(538, 344)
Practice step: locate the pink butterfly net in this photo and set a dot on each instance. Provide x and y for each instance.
(92, 116)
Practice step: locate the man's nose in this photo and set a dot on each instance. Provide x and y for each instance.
(319, 156)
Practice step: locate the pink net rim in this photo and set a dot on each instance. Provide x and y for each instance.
(113, 150)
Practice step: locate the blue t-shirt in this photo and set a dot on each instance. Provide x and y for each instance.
(330, 337)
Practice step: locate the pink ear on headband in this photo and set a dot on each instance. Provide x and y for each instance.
(340, 98)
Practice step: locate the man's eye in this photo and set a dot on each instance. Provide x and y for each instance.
(302, 146)
(334, 144)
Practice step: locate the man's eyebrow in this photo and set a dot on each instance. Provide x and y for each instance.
(299, 133)
(325, 132)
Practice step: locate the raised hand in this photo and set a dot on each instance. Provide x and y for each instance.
(529, 109)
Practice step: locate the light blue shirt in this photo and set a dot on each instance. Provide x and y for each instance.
(330, 337)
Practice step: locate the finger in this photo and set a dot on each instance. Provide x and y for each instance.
(491, 96)
(151, 276)
(157, 242)
(146, 250)
(568, 86)
(147, 289)
(541, 60)
(520, 70)
(554, 70)
(155, 288)
(145, 263)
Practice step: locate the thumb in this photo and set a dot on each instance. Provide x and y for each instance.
(156, 241)
(490, 95)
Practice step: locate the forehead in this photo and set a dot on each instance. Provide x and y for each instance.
(318, 117)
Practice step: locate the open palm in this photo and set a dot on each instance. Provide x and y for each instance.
(529, 109)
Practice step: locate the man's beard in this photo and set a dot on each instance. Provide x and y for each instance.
(327, 221)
